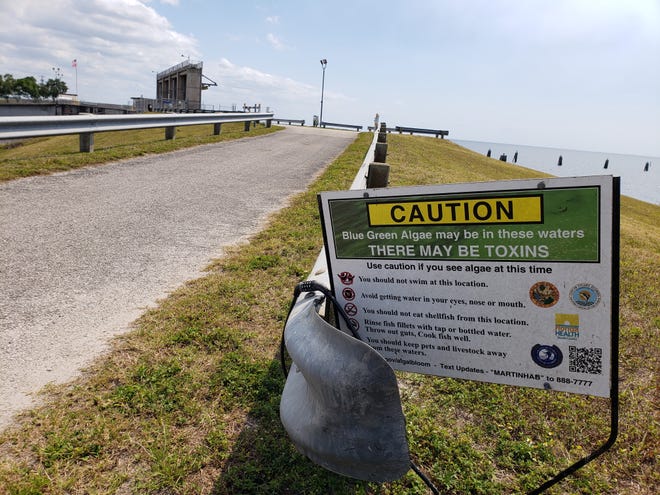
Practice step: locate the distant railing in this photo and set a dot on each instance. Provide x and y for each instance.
(87, 125)
(417, 130)
(342, 126)
(414, 130)
(289, 121)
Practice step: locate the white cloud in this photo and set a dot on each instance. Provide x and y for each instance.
(240, 84)
(273, 19)
(117, 43)
(275, 42)
(174, 3)
(236, 78)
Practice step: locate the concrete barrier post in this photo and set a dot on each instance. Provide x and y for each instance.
(86, 142)
(170, 132)
(378, 175)
(217, 128)
(380, 152)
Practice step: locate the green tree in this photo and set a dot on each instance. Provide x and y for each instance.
(52, 88)
(7, 83)
(27, 86)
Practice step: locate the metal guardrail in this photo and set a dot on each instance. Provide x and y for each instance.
(87, 125)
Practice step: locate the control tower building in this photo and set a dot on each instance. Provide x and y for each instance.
(179, 88)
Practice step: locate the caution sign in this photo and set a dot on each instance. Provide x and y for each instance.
(506, 282)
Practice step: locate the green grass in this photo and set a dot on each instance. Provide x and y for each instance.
(187, 403)
(40, 156)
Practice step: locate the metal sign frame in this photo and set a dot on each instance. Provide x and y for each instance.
(614, 334)
(614, 366)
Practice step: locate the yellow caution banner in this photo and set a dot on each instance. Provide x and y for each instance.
(525, 209)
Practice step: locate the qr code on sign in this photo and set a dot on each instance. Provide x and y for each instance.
(585, 360)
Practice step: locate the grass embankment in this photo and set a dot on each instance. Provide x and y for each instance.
(40, 156)
(188, 402)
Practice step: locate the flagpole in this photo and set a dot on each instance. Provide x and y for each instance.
(75, 66)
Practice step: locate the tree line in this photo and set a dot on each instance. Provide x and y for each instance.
(28, 87)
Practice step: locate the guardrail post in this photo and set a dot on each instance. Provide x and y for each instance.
(217, 128)
(86, 142)
(379, 171)
(379, 175)
(170, 132)
(269, 123)
(247, 126)
(380, 152)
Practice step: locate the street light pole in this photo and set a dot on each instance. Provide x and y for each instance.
(324, 63)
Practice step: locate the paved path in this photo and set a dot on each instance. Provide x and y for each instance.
(84, 253)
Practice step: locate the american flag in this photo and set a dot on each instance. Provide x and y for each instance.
(74, 62)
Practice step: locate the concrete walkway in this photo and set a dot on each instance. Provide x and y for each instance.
(84, 253)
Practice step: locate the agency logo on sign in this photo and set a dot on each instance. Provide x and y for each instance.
(585, 296)
(567, 326)
(544, 294)
(547, 356)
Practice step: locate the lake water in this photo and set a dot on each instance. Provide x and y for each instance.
(635, 182)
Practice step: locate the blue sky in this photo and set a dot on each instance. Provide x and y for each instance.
(582, 74)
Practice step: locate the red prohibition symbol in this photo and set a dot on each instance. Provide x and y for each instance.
(351, 309)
